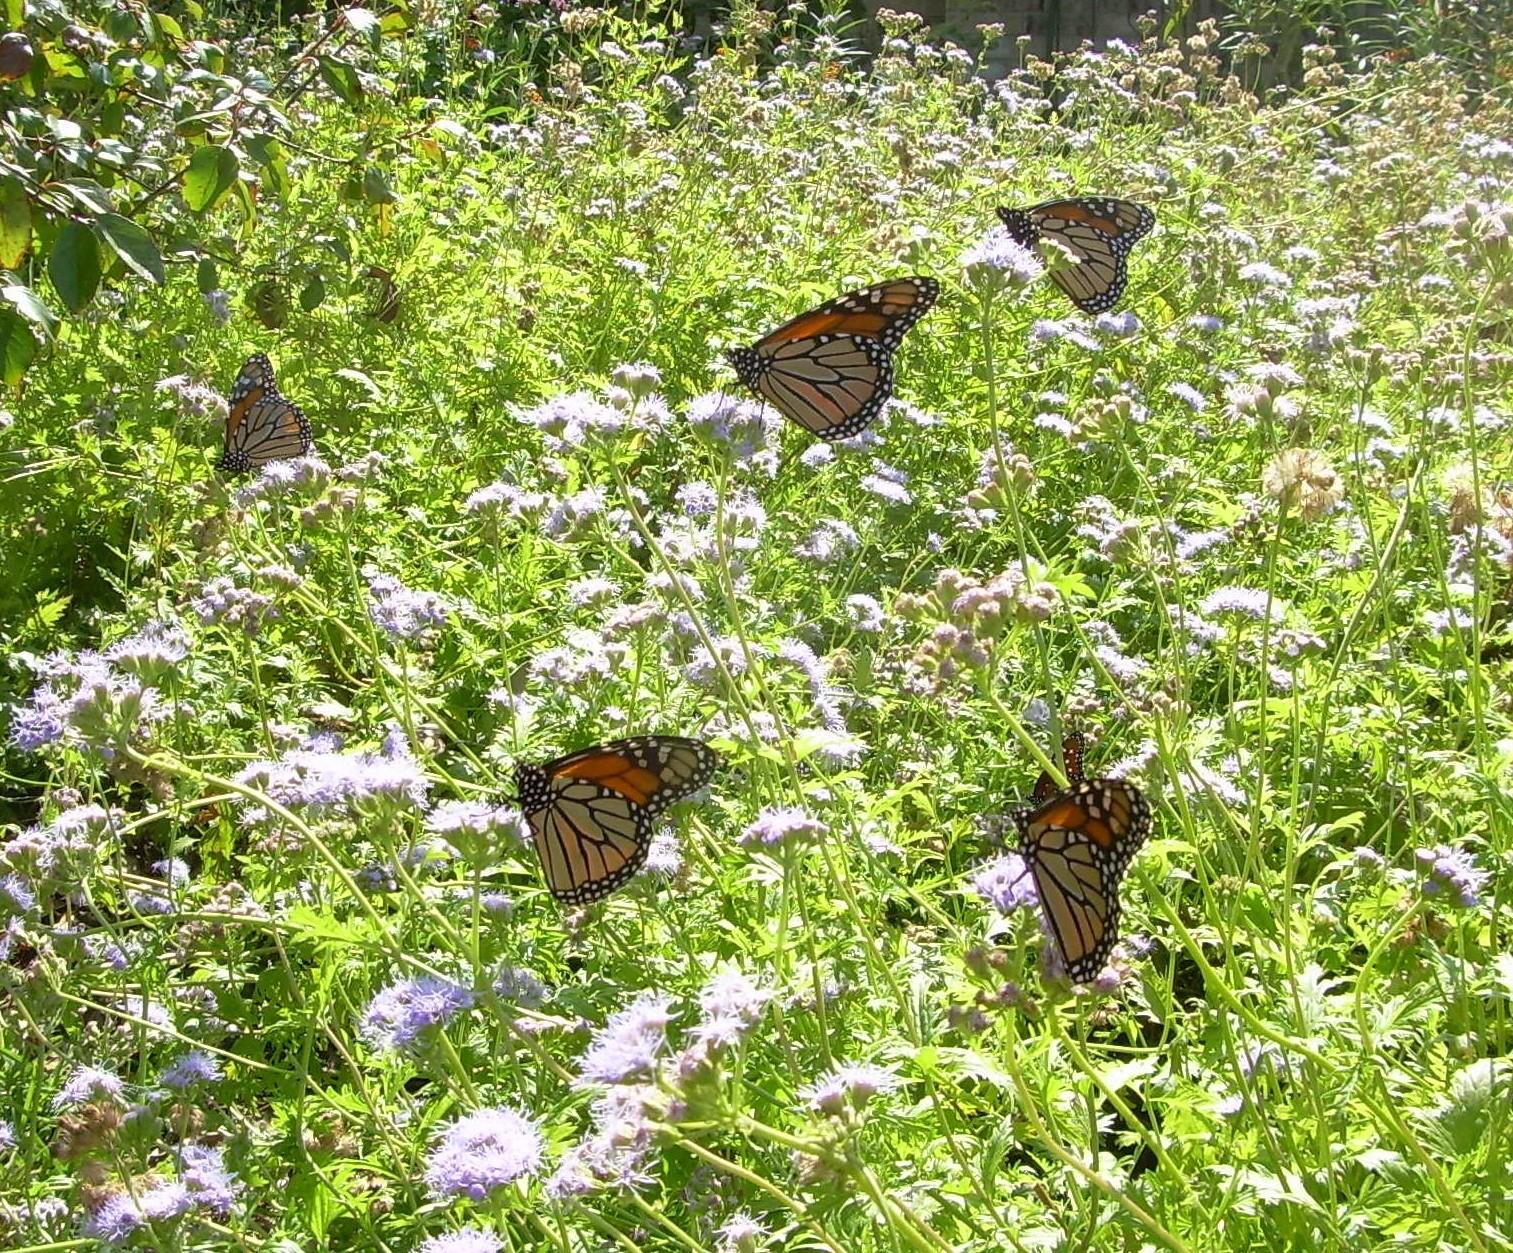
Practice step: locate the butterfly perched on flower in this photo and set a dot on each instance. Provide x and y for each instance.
(592, 812)
(1077, 842)
(262, 424)
(1100, 231)
(831, 370)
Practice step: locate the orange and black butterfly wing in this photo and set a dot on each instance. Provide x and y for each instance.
(592, 812)
(831, 370)
(1100, 231)
(262, 425)
(1072, 750)
(1078, 845)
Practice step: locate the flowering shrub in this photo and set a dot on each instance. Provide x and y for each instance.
(278, 963)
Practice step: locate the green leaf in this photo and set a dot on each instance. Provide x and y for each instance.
(15, 223)
(312, 294)
(207, 275)
(375, 187)
(133, 245)
(15, 10)
(29, 305)
(74, 265)
(341, 78)
(263, 148)
(17, 347)
(87, 194)
(212, 173)
(51, 606)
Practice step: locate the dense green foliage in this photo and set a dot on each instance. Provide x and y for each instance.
(1253, 535)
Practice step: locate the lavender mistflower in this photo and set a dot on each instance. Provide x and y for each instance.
(1244, 602)
(999, 262)
(572, 518)
(780, 825)
(1188, 395)
(322, 778)
(466, 1240)
(1452, 871)
(664, 856)
(627, 1047)
(698, 500)
(730, 1005)
(152, 653)
(817, 455)
(865, 614)
(505, 500)
(850, 1087)
(482, 1151)
(830, 540)
(637, 377)
(1006, 884)
(892, 487)
(1117, 325)
(743, 427)
(1207, 323)
(218, 305)
(1260, 274)
(398, 1015)
(740, 1233)
(202, 1169)
(400, 612)
(90, 1083)
(188, 1069)
(480, 820)
(113, 1220)
(17, 894)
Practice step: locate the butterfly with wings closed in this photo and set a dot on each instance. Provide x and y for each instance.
(592, 812)
(1077, 842)
(831, 370)
(1100, 231)
(262, 424)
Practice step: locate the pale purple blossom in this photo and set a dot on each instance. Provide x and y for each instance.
(850, 1087)
(399, 1014)
(865, 614)
(90, 1083)
(779, 825)
(190, 1068)
(400, 612)
(998, 262)
(1452, 871)
(627, 1047)
(465, 1240)
(1006, 884)
(483, 1151)
(1188, 395)
(1244, 602)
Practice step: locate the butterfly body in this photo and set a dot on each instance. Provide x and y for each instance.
(831, 370)
(592, 812)
(1100, 231)
(1077, 842)
(262, 425)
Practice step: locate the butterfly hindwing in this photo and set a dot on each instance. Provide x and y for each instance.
(831, 370)
(592, 812)
(262, 425)
(1099, 230)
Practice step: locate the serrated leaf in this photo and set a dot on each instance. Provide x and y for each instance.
(74, 266)
(15, 223)
(211, 175)
(133, 245)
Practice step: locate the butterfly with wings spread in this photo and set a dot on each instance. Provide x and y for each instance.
(592, 812)
(831, 370)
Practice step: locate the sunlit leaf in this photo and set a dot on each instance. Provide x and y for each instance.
(133, 245)
(74, 266)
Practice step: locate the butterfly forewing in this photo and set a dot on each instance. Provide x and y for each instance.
(830, 370)
(592, 812)
(1077, 844)
(1100, 231)
(262, 425)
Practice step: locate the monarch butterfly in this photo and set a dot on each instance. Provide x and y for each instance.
(831, 369)
(1077, 842)
(1099, 230)
(262, 425)
(591, 812)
